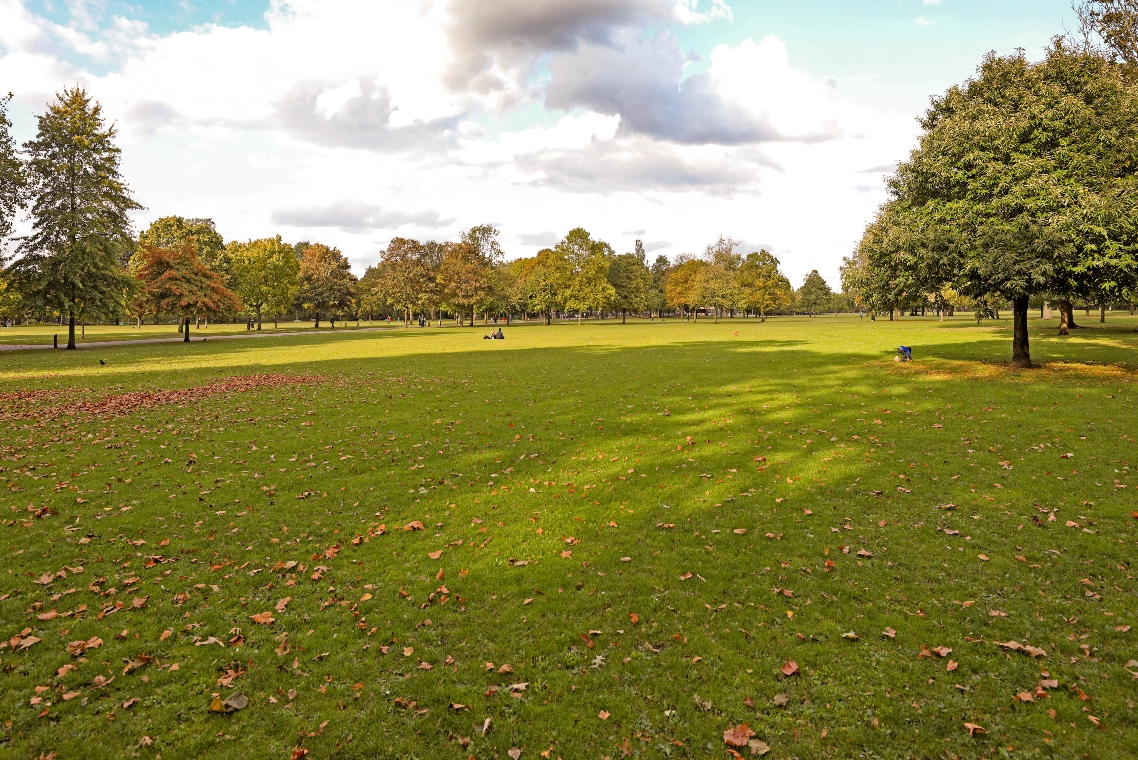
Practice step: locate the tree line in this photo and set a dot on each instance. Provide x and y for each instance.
(81, 261)
(1022, 189)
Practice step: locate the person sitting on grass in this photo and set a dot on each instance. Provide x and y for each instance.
(499, 335)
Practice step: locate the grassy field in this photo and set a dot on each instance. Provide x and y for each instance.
(602, 541)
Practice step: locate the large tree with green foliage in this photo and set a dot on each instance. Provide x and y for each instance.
(12, 177)
(631, 280)
(73, 261)
(763, 285)
(715, 286)
(267, 275)
(1023, 183)
(814, 295)
(588, 261)
(326, 281)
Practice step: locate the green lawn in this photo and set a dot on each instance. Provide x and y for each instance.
(640, 527)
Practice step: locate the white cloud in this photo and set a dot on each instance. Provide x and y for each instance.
(922, 21)
(349, 122)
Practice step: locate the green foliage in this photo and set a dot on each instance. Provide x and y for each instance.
(326, 282)
(764, 287)
(13, 180)
(588, 265)
(815, 295)
(267, 275)
(73, 260)
(631, 281)
(714, 285)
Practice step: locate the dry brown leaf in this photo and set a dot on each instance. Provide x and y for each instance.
(263, 618)
(738, 736)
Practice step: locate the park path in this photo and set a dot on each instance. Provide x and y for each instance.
(142, 341)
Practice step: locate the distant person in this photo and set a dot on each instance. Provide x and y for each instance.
(500, 336)
(422, 322)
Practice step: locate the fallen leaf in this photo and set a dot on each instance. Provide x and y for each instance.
(435, 555)
(603, 715)
(514, 753)
(760, 747)
(282, 603)
(738, 736)
(231, 704)
(952, 665)
(263, 618)
(789, 668)
(782, 700)
(974, 729)
(414, 525)
(890, 633)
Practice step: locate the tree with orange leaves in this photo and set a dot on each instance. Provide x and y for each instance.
(175, 281)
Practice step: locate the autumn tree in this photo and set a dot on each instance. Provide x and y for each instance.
(73, 261)
(173, 231)
(267, 275)
(465, 270)
(403, 277)
(175, 281)
(763, 285)
(546, 282)
(679, 289)
(715, 286)
(326, 282)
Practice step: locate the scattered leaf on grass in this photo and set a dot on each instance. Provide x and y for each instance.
(738, 736)
(789, 668)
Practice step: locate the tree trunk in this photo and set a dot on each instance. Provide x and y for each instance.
(186, 338)
(716, 308)
(1064, 318)
(71, 331)
(762, 315)
(317, 325)
(623, 317)
(1046, 313)
(1101, 313)
(1021, 352)
(578, 316)
(258, 319)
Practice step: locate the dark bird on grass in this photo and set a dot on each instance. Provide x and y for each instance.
(102, 362)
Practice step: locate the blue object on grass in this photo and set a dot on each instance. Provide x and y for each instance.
(906, 352)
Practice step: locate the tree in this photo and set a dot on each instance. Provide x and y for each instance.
(464, 277)
(763, 285)
(814, 295)
(716, 287)
(1023, 183)
(172, 231)
(588, 262)
(73, 260)
(656, 299)
(405, 279)
(1115, 23)
(326, 282)
(545, 280)
(631, 280)
(267, 275)
(679, 287)
(722, 254)
(13, 179)
(175, 281)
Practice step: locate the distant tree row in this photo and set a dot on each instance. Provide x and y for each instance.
(81, 260)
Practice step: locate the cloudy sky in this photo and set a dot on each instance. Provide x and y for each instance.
(672, 121)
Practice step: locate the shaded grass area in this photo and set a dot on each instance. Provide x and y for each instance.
(572, 479)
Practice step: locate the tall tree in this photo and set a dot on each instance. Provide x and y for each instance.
(546, 281)
(680, 284)
(630, 279)
(175, 281)
(763, 285)
(13, 179)
(406, 277)
(1024, 182)
(326, 281)
(267, 275)
(715, 286)
(464, 273)
(588, 261)
(814, 295)
(1115, 24)
(73, 260)
(172, 231)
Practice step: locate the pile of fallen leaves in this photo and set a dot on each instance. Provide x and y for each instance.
(16, 405)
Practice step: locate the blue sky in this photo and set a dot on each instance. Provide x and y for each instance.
(673, 121)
